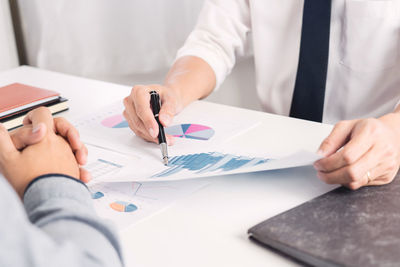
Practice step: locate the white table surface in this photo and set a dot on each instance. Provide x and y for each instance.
(209, 227)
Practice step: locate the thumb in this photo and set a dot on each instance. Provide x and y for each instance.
(337, 138)
(40, 115)
(28, 135)
(6, 144)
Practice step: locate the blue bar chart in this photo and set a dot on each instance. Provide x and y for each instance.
(209, 162)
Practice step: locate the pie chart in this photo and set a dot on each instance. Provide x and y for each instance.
(191, 131)
(116, 121)
(187, 130)
(97, 195)
(123, 206)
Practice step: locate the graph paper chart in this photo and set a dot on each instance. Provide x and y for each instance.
(102, 167)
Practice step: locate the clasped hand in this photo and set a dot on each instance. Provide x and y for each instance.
(42, 146)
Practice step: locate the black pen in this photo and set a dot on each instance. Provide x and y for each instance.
(155, 104)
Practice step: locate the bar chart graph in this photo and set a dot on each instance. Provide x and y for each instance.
(209, 162)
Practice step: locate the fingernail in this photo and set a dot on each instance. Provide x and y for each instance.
(321, 152)
(84, 158)
(316, 166)
(36, 128)
(73, 135)
(151, 132)
(165, 119)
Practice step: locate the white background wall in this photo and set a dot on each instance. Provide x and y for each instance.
(124, 41)
(8, 52)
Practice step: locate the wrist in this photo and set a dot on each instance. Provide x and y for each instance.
(178, 95)
(175, 89)
(46, 176)
(392, 120)
(55, 192)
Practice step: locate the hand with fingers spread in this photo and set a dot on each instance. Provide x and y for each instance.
(140, 117)
(31, 134)
(361, 152)
(51, 155)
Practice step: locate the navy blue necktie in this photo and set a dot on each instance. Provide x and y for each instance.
(309, 90)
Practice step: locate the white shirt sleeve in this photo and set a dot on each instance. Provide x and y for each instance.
(220, 35)
(397, 105)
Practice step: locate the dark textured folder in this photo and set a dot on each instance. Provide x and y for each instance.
(339, 228)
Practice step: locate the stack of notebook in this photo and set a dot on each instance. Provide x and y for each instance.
(16, 100)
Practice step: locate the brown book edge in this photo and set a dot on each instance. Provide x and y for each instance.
(16, 121)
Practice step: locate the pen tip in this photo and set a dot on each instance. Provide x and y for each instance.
(165, 161)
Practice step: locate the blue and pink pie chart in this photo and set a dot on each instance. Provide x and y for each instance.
(188, 130)
(191, 131)
(116, 121)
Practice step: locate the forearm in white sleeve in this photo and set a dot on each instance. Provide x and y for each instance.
(396, 108)
(220, 35)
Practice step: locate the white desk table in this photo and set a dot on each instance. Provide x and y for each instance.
(208, 228)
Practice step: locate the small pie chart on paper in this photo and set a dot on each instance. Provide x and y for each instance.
(97, 195)
(187, 130)
(190, 131)
(116, 121)
(122, 206)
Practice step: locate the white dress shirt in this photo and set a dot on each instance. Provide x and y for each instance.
(363, 72)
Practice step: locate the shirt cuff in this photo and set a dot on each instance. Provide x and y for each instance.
(56, 188)
(216, 64)
(397, 105)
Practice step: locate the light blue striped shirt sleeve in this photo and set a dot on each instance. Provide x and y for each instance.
(58, 227)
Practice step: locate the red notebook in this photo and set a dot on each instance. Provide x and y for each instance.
(17, 97)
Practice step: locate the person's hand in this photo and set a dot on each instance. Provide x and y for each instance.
(139, 115)
(30, 135)
(51, 155)
(361, 152)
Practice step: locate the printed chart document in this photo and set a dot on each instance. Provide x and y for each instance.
(130, 182)
(194, 130)
(130, 202)
(126, 203)
(200, 148)
(110, 166)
